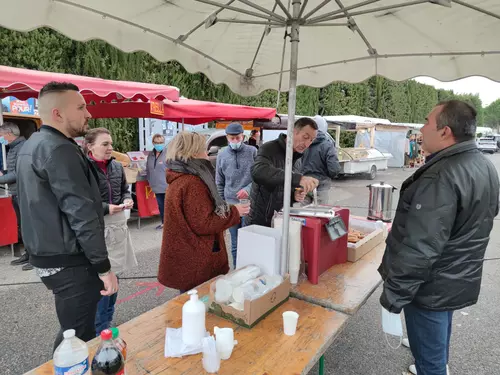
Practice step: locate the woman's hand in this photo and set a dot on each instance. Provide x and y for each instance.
(114, 209)
(129, 204)
(243, 209)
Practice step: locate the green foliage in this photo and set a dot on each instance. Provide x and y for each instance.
(492, 115)
(44, 49)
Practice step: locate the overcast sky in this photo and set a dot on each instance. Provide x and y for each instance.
(488, 90)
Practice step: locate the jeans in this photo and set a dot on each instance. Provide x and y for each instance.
(105, 312)
(429, 334)
(77, 291)
(233, 231)
(160, 199)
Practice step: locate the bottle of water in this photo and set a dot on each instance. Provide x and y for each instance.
(71, 356)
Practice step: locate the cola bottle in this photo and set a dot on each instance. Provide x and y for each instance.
(108, 359)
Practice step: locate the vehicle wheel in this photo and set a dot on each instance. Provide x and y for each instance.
(373, 173)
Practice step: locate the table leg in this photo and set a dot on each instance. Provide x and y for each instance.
(322, 365)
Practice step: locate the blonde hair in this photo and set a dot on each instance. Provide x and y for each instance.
(185, 146)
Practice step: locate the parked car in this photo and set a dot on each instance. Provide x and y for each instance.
(488, 144)
(216, 141)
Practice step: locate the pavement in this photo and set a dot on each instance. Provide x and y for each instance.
(28, 321)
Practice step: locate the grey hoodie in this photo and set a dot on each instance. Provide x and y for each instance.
(233, 171)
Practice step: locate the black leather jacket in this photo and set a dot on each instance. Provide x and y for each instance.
(435, 249)
(268, 175)
(10, 177)
(61, 211)
(112, 185)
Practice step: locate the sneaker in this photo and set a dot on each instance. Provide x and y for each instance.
(413, 370)
(27, 267)
(24, 259)
(406, 343)
(159, 227)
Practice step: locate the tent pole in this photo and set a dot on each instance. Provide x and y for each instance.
(292, 99)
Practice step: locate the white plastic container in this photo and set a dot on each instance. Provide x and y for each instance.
(224, 342)
(224, 285)
(71, 356)
(193, 320)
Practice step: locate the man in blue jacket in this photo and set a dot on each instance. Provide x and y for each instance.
(233, 174)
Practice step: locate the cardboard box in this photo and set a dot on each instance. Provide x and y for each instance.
(373, 237)
(253, 311)
(131, 174)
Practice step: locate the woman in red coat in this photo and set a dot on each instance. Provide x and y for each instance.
(193, 249)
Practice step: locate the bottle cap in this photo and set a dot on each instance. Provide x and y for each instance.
(106, 335)
(69, 333)
(193, 295)
(116, 332)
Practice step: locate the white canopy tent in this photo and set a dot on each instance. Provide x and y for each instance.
(240, 42)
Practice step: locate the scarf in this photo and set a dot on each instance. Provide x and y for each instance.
(204, 170)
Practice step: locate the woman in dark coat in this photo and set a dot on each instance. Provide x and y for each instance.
(193, 249)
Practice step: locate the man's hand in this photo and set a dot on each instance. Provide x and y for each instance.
(308, 183)
(299, 195)
(242, 194)
(129, 204)
(110, 284)
(114, 209)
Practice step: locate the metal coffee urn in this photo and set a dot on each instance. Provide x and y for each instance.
(380, 202)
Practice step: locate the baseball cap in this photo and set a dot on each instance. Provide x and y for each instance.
(234, 128)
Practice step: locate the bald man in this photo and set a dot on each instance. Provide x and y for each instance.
(61, 207)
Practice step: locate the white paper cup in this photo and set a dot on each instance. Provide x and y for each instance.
(290, 319)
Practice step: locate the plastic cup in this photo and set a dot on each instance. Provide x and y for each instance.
(245, 201)
(290, 319)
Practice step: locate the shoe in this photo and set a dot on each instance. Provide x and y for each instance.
(405, 343)
(27, 267)
(159, 227)
(413, 370)
(22, 260)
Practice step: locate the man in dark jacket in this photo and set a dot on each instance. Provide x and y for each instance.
(11, 135)
(268, 174)
(321, 162)
(61, 208)
(434, 257)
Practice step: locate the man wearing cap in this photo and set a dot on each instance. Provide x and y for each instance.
(233, 174)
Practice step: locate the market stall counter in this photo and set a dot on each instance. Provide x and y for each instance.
(264, 349)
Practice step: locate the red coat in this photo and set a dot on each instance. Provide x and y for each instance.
(190, 232)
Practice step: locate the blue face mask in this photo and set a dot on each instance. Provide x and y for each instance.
(159, 148)
(3, 141)
(235, 146)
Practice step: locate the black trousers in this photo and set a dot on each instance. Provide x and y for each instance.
(15, 204)
(77, 293)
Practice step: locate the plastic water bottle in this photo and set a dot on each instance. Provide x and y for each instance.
(71, 356)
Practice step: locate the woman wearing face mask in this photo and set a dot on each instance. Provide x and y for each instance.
(156, 173)
(115, 199)
(193, 249)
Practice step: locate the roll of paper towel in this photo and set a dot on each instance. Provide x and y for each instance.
(290, 262)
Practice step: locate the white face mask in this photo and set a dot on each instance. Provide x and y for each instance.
(392, 325)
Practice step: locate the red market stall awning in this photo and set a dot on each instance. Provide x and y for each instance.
(189, 111)
(24, 84)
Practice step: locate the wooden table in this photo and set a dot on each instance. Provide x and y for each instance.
(262, 350)
(344, 287)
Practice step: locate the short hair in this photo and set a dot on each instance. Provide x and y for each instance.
(460, 117)
(11, 128)
(91, 137)
(156, 136)
(57, 87)
(301, 123)
(185, 146)
(253, 132)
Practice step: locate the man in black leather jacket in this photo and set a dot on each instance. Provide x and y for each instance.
(268, 174)
(434, 257)
(61, 208)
